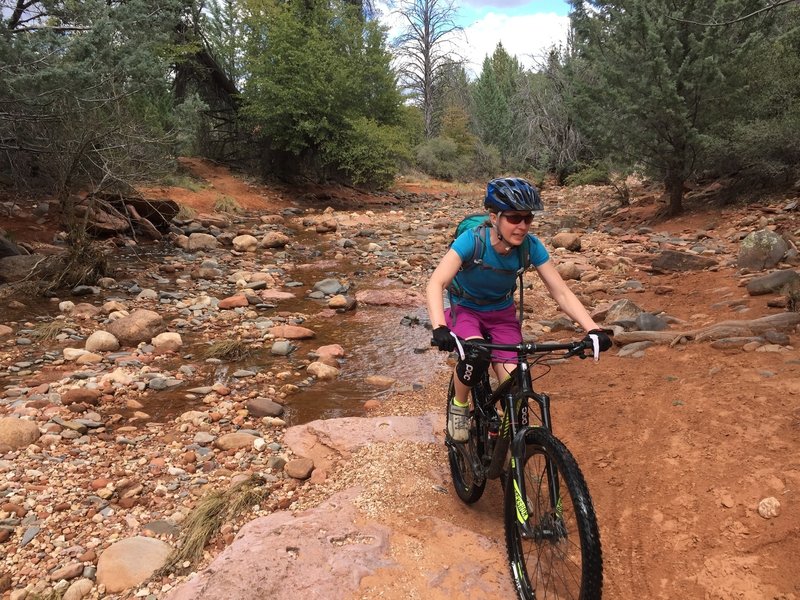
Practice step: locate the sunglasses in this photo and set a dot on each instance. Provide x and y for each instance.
(516, 219)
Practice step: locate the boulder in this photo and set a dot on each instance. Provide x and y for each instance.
(672, 260)
(140, 326)
(129, 562)
(274, 239)
(245, 243)
(774, 282)
(17, 433)
(322, 371)
(622, 310)
(292, 332)
(101, 341)
(565, 239)
(761, 250)
(18, 267)
(169, 341)
(201, 241)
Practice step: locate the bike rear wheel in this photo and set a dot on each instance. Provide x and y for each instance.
(463, 458)
(558, 555)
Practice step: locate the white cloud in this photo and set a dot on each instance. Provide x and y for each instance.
(525, 37)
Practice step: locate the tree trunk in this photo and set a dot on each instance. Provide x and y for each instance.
(673, 184)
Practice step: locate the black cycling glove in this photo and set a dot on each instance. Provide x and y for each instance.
(443, 339)
(599, 340)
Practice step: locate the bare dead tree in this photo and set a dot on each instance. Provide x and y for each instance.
(425, 49)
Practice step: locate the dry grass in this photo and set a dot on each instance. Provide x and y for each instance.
(228, 350)
(205, 521)
(227, 205)
(186, 213)
(47, 332)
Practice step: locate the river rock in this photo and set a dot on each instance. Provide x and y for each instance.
(201, 241)
(233, 441)
(81, 395)
(74, 353)
(774, 282)
(140, 326)
(273, 294)
(264, 407)
(328, 286)
(101, 341)
(129, 562)
(381, 381)
(169, 341)
(237, 301)
(70, 571)
(5, 331)
(320, 370)
(15, 268)
(282, 348)
(17, 433)
(330, 351)
(292, 332)
(274, 239)
(761, 250)
(245, 243)
(78, 589)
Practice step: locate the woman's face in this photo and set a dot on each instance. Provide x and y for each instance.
(513, 225)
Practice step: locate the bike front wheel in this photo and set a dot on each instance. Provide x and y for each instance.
(552, 537)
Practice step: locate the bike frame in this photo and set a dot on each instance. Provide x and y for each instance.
(513, 395)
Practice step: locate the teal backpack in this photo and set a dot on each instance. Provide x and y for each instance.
(479, 223)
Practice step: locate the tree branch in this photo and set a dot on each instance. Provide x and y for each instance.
(770, 6)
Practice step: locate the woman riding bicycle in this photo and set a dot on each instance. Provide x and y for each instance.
(482, 291)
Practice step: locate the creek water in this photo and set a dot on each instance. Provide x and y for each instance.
(386, 341)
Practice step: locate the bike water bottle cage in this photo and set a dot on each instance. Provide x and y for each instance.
(474, 364)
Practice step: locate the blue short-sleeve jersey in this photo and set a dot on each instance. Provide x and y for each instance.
(498, 275)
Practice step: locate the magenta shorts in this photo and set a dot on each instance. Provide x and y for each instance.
(502, 325)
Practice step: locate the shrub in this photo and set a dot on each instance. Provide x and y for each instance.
(589, 175)
(226, 204)
(439, 157)
(369, 153)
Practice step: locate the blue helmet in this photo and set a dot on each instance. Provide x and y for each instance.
(512, 193)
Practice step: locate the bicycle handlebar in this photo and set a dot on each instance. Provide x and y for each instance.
(572, 348)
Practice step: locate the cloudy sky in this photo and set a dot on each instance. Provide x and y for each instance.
(527, 28)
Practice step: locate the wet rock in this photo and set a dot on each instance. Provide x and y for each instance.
(381, 381)
(761, 250)
(201, 241)
(565, 239)
(402, 298)
(774, 282)
(320, 370)
(292, 332)
(330, 351)
(329, 287)
(102, 341)
(673, 260)
(140, 326)
(264, 407)
(17, 433)
(129, 562)
(273, 294)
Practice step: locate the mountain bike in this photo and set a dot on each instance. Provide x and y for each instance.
(551, 532)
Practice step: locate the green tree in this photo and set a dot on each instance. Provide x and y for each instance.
(319, 76)
(653, 78)
(493, 98)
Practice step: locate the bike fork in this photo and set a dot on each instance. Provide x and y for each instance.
(517, 480)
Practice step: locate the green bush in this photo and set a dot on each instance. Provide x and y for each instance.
(439, 157)
(590, 175)
(369, 153)
(486, 162)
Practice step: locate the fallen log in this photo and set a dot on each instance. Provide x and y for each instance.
(717, 331)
